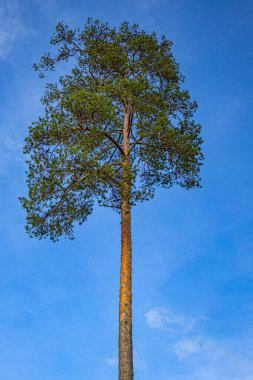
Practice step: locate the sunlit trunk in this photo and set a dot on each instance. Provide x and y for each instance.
(125, 304)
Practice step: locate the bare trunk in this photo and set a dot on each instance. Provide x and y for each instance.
(125, 304)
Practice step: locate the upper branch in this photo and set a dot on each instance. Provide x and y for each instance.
(87, 129)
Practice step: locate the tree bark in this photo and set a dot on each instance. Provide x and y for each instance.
(125, 303)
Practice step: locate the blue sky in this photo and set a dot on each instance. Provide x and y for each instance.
(192, 250)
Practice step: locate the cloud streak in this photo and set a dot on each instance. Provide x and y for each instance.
(194, 346)
(139, 363)
(163, 319)
(209, 359)
(200, 356)
(10, 152)
(148, 5)
(111, 362)
(12, 27)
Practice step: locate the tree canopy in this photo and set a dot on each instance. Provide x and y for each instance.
(75, 150)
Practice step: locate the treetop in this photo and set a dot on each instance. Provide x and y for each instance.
(76, 148)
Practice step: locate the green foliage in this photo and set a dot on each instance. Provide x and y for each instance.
(75, 150)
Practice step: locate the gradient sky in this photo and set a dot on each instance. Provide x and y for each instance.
(192, 250)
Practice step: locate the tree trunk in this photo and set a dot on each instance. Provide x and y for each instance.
(125, 303)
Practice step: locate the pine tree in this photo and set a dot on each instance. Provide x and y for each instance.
(115, 127)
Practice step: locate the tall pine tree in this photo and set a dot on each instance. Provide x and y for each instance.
(116, 127)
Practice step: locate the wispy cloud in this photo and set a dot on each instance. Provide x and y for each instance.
(139, 363)
(111, 362)
(209, 358)
(197, 345)
(146, 9)
(47, 6)
(163, 319)
(150, 4)
(12, 27)
(202, 356)
(10, 151)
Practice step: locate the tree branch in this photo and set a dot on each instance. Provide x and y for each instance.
(63, 197)
(136, 142)
(87, 129)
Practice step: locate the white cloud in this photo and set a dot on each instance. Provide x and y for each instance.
(150, 4)
(139, 362)
(12, 27)
(197, 345)
(10, 152)
(46, 5)
(163, 319)
(146, 10)
(209, 358)
(111, 362)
